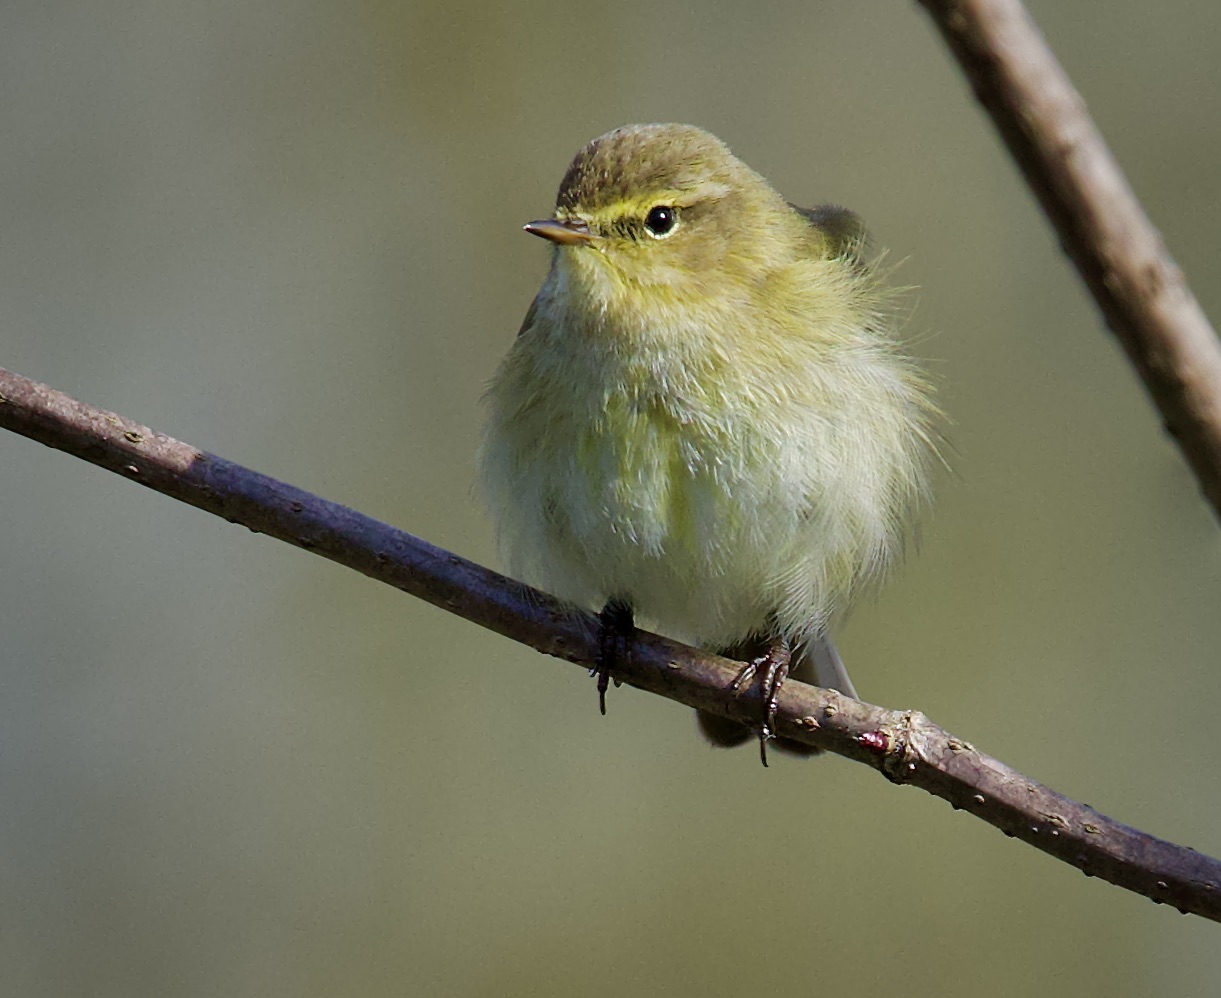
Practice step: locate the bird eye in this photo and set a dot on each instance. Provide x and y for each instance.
(660, 221)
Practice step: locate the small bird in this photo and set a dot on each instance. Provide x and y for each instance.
(705, 424)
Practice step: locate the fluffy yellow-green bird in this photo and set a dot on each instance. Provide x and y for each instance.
(706, 424)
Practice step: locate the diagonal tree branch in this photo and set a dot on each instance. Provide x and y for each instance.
(902, 745)
(1140, 289)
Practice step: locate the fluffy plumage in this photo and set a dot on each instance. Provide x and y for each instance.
(714, 423)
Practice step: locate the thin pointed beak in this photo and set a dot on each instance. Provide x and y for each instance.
(568, 232)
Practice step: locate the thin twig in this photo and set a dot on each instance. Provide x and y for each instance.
(903, 745)
(1140, 289)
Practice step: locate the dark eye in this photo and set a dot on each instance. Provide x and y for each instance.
(660, 221)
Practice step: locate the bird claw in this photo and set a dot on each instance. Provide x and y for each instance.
(774, 666)
(615, 632)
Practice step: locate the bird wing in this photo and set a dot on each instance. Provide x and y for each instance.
(528, 321)
(843, 228)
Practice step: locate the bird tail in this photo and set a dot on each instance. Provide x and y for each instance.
(819, 662)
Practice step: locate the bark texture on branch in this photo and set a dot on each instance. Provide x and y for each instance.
(903, 745)
(1140, 289)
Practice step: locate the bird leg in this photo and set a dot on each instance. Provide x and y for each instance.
(773, 666)
(616, 629)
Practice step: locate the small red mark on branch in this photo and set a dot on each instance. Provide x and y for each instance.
(875, 741)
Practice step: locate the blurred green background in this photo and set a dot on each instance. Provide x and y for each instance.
(289, 233)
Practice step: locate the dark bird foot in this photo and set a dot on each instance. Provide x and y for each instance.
(773, 668)
(615, 633)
